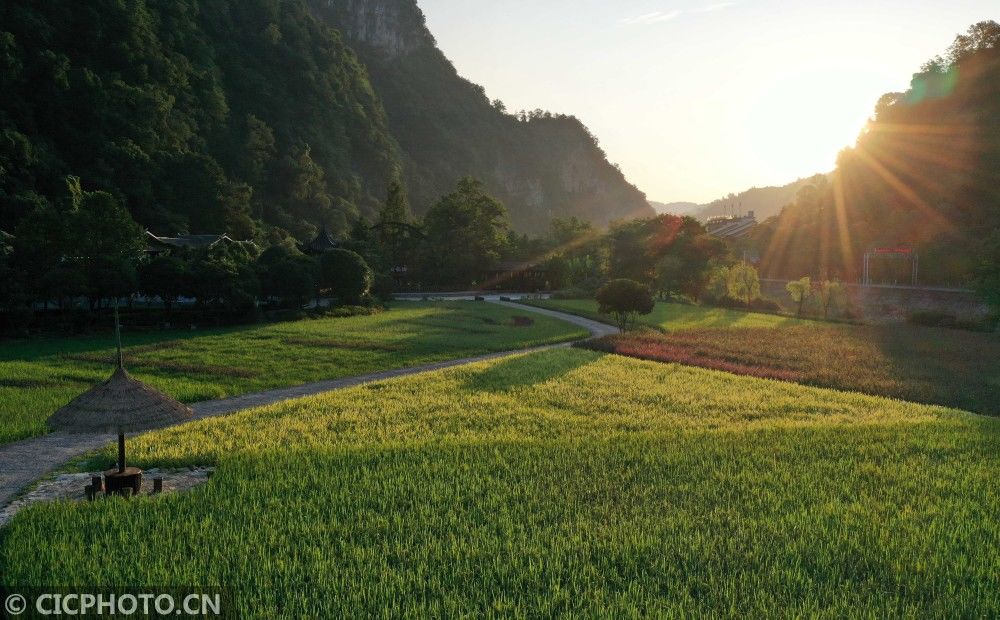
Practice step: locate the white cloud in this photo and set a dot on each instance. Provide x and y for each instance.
(657, 17)
(652, 18)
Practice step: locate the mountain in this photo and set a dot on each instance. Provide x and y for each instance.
(250, 116)
(539, 164)
(675, 208)
(765, 202)
(201, 116)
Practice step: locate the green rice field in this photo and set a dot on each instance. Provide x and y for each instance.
(39, 376)
(566, 482)
(670, 316)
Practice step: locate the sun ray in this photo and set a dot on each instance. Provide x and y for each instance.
(903, 189)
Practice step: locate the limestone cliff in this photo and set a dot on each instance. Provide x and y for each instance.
(541, 167)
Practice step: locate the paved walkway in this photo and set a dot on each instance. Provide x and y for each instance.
(24, 462)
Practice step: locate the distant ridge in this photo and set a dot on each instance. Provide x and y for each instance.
(765, 202)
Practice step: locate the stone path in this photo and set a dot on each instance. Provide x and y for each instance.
(24, 462)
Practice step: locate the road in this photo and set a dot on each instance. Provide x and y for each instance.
(24, 462)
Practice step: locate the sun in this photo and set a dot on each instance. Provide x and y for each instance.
(796, 125)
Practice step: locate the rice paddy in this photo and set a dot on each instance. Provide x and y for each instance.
(39, 376)
(672, 317)
(566, 482)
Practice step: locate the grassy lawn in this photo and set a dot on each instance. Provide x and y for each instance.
(936, 366)
(676, 316)
(39, 376)
(562, 482)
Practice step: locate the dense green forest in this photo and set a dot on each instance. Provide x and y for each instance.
(540, 165)
(200, 116)
(925, 172)
(257, 118)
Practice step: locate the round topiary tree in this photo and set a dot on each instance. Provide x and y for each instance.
(346, 275)
(165, 277)
(625, 300)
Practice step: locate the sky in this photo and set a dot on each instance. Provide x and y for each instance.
(699, 98)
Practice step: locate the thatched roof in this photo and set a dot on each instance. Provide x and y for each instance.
(120, 404)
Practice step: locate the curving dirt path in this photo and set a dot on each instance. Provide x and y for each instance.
(24, 462)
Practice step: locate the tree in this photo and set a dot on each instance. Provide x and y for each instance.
(743, 283)
(672, 253)
(64, 281)
(256, 150)
(699, 253)
(88, 233)
(301, 184)
(106, 240)
(40, 242)
(287, 274)
(466, 233)
(631, 255)
(669, 275)
(190, 106)
(570, 234)
(832, 294)
(800, 291)
(10, 283)
(243, 291)
(210, 280)
(165, 277)
(346, 275)
(987, 272)
(111, 278)
(717, 287)
(395, 236)
(576, 251)
(397, 206)
(625, 300)
(225, 283)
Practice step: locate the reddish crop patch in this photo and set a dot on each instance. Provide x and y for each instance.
(934, 366)
(650, 349)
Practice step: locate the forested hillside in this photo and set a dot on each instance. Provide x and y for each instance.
(925, 172)
(540, 165)
(249, 116)
(200, 116)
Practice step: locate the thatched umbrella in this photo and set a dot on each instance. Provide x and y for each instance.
(120, 405)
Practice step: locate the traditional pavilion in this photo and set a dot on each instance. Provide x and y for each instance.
(324, 241)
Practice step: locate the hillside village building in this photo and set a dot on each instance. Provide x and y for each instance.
(157, 246)
(731, 227)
